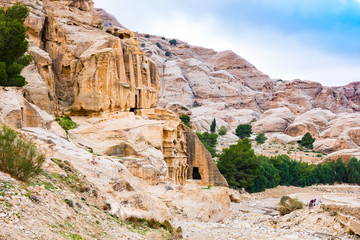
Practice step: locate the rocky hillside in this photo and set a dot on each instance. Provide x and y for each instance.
(125, 159)
(207, 84)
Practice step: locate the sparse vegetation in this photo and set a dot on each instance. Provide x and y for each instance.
(13, 45)
(288, 205)
(142, 225)
(19, 157)
(186, 120)
(66, 123)
(222, 131)
(243, 131)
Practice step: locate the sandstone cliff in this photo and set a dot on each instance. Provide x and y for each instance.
(123, 144)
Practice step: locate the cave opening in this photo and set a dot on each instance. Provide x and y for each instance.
(196, 173)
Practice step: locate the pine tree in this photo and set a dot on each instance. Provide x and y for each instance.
(307, 141)
(261, 138)
(213, 126)
(243, 131)
(13, 45)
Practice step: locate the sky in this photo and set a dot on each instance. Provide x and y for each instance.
(317, 40)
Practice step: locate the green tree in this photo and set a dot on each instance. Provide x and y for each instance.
(261, 138)
(238, 164)
(13, 45)
(173, 42)
(353, 171)
(243, 131)
(186, 120)
(209, 140)
(267, 176)
(307, 141)
(222, 131)
(213, 126)
(340, 171)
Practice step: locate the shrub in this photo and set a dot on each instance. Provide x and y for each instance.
(173, 42)
(209, 140)
(186, 120)
(289, 205)
(163, 38)
(307, 141)
(142, 45)
(147, 36)
(243, 131)
(18, 156)
(222, 131)
(158, 45)
(261, 138)
(213, 126)
(66, 123)
(13, 45)
(167, 53)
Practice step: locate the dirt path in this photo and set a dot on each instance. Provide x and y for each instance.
(258, 218)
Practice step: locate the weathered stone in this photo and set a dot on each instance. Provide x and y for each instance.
(202, 167)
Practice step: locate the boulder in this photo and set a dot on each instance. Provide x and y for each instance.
(274, 120)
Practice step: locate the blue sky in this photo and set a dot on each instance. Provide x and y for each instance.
(316, 40)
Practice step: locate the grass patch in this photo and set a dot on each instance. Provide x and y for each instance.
(66, 123)
(19, 157)
(288, 205)
(142, 226)
(72, 178)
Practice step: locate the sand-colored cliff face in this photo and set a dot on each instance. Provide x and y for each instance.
(86, 69)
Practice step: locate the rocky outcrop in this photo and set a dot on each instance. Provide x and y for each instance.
(194, 76)
(108, 19)
(274, 120)
(347, 215)
(85, 69)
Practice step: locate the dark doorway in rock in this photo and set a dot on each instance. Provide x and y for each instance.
(196, 173)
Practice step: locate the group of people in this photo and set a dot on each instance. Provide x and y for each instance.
(314, 202)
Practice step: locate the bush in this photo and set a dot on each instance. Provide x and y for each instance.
(209, 140)
(261, 138)
(307, 141)
(158, 45)
(142, 45)
(186, 120)
(222, 131)
(173, 42)
(163, 38)
(167, 53)
(66, 123)
(19, 157)
(289, 205)
(13, 45)
(147, 36)
(243, 131)
(213, 126)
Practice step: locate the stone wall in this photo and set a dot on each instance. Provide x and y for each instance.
(202, 167)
